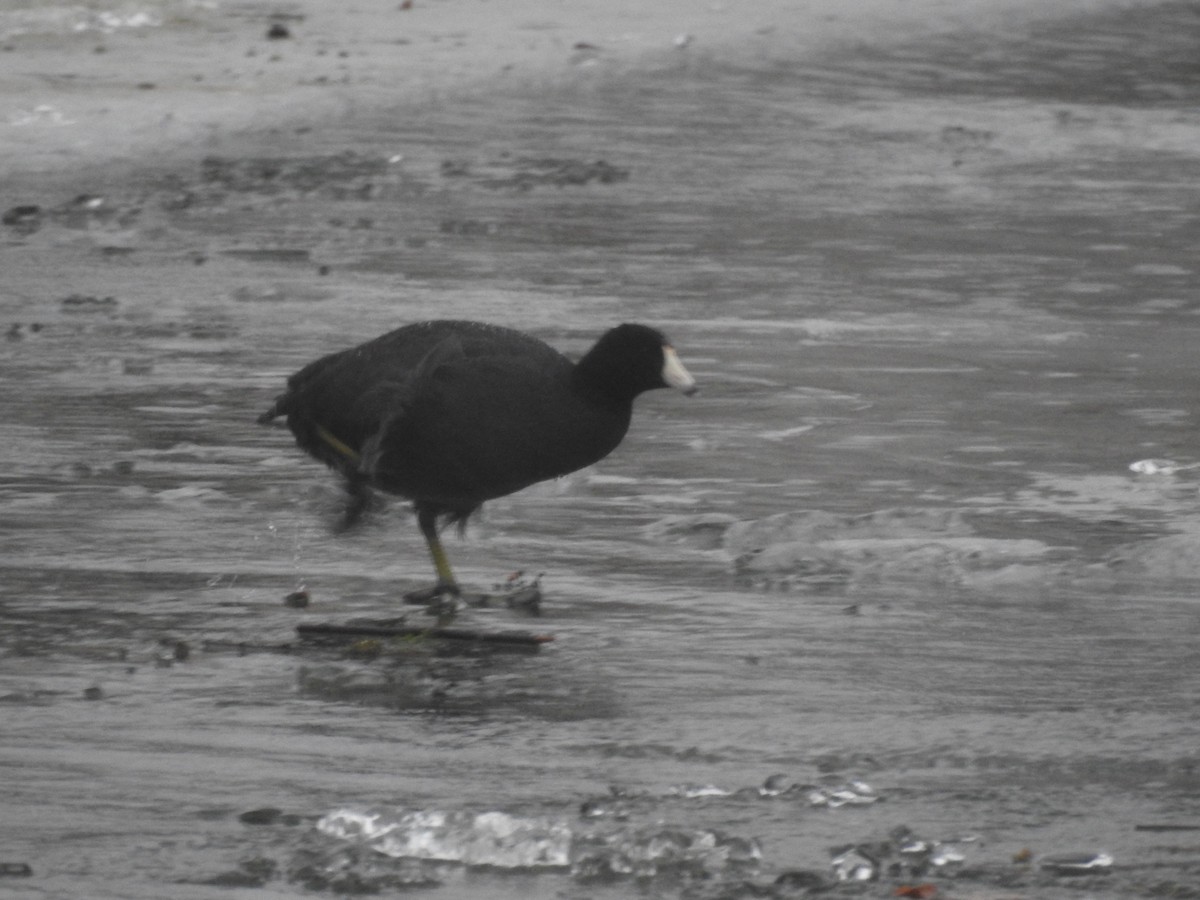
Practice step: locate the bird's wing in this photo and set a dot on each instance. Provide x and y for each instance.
(482, 427)
(340, 405)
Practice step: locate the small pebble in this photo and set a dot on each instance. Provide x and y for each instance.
(18, 215)
(297, 599)
(775, 785)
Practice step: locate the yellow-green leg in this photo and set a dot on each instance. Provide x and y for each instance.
(443, 596)
(441, 563)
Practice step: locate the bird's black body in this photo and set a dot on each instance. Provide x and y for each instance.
(450, 414)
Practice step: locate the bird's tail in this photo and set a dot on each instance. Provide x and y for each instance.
(276, 410)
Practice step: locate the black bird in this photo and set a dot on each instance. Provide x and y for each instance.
(449, 414)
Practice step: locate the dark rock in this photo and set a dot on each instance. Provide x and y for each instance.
(24, 219)
(802, 879)
(267, 815)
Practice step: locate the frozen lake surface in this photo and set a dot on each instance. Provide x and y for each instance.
(938, 298)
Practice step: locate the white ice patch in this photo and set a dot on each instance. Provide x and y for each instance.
(472, 839)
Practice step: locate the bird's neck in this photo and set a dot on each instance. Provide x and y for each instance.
(603, 382)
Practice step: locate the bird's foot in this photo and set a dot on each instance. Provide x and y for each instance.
(441, 600)
(517, 592)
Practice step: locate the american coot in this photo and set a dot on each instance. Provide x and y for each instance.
(450, 413)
